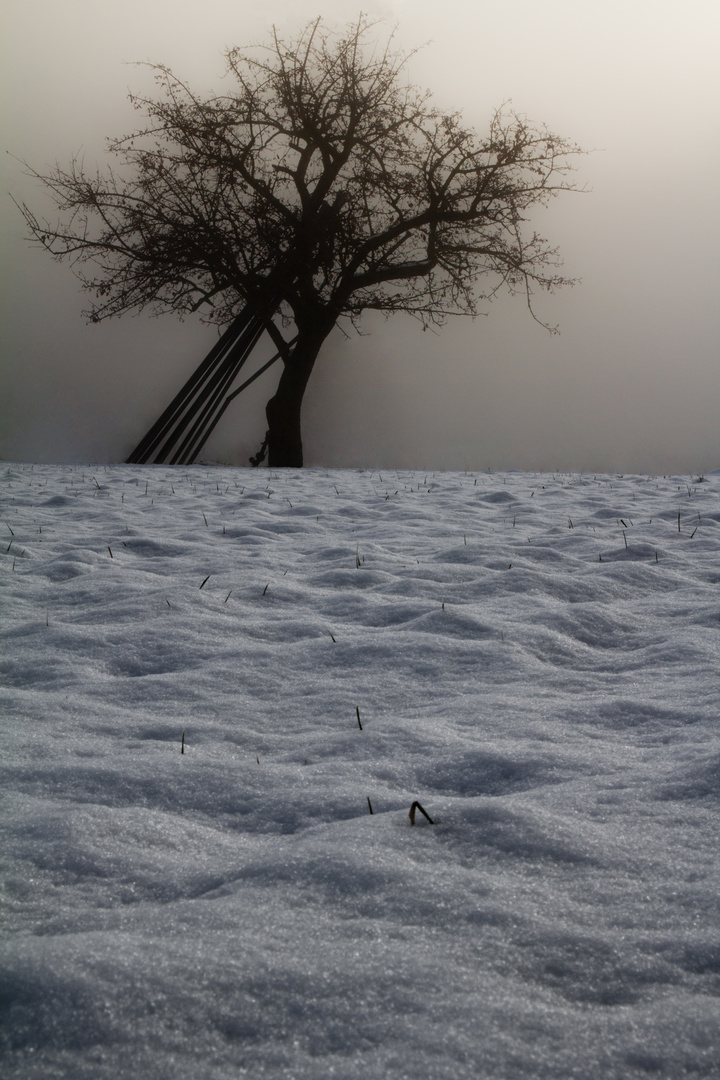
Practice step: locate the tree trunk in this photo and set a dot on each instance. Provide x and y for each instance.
(283, 410)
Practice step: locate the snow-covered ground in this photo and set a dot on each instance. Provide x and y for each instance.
(535, 658)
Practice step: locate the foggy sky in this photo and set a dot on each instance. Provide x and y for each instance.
(631, 384)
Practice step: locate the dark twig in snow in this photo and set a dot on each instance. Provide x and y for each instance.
(416, 806)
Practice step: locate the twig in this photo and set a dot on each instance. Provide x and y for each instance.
(416, 806)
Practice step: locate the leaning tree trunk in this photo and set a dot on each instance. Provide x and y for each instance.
(283, 410)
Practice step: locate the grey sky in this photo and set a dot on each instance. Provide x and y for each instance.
(633, 381)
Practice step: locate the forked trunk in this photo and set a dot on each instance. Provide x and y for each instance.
(283, 410)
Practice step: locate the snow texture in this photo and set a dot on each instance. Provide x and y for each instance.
(534, 658)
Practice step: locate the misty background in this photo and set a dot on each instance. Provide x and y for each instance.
(631, 384)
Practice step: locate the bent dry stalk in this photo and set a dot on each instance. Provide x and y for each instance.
(416, 806)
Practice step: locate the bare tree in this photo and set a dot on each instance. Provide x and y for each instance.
(320, 186)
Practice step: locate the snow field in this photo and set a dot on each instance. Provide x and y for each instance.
(533, 657)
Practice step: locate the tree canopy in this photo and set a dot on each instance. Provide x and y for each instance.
(321, 184)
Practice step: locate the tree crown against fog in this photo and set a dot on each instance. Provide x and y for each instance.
(320, 186)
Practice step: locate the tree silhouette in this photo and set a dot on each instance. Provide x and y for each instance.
(320, 186)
